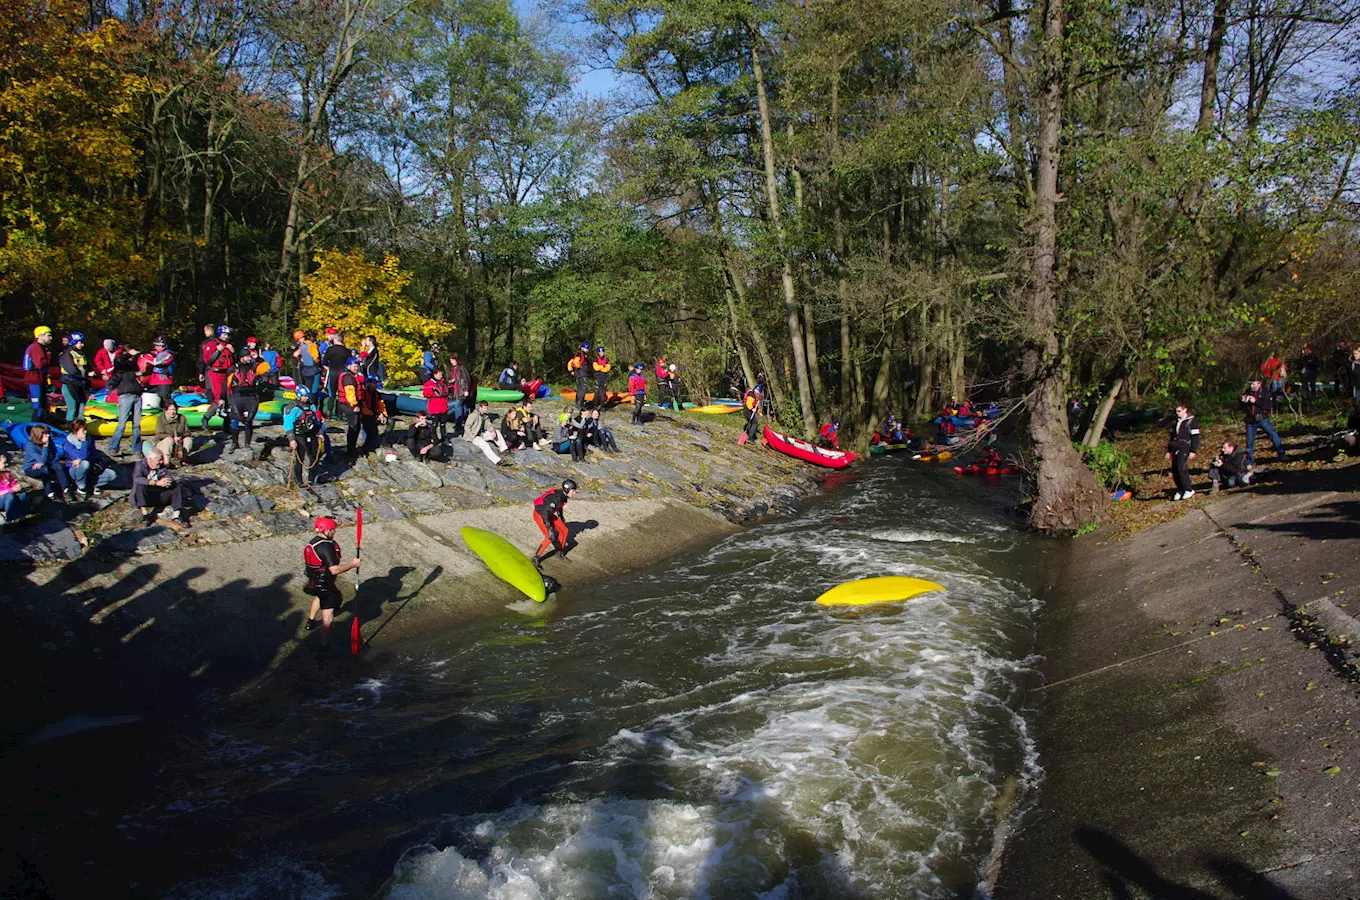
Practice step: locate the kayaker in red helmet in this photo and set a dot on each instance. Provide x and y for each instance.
(321, 561)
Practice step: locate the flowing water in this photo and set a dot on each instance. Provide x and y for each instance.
(699, 729)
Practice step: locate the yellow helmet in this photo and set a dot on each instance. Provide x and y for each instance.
(41, 330)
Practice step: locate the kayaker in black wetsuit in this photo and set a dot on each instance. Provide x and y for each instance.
(549, 510)
(321, 561)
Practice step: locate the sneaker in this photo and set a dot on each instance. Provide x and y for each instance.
(1187, 495)
(148, 518)
(535, 560)
(311, 626)
(95, 492)
(1177, 496)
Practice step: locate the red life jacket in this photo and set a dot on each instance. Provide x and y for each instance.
(542, 506)
(661, 370)
(318, 572)
(223, 364)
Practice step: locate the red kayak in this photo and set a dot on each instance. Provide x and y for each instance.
(832, 459)
(976, 469)
(12, 378)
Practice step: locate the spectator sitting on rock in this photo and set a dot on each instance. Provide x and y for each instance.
(90, 470)
(567, 438)
(595, 434)
(481, 432)
(1229, 468)
(534, 432)
(512, 430)
(422, 439)
(13, 499)
(154, 489)
(172, 435)
(42, 461)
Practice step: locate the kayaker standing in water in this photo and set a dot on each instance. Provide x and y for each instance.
(321, 561)
(549, 511)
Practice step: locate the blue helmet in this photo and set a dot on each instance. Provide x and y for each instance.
(303, 392)
(372, 379)
(599, 348)
(75, 338)
(585, 345)
(223, 331)
(352, 361)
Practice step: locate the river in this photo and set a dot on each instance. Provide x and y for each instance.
(697, 729)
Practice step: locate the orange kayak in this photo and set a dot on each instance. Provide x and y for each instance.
(609, 397)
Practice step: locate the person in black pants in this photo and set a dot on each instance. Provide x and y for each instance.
(1181, 448)
(1309, 365)
(423, 440)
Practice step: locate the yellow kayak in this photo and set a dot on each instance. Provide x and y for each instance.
(886, 589)
(506, 562)
(715, 409)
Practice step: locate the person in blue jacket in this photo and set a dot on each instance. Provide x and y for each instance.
(90, 470)
(304, 428)
(42, 460)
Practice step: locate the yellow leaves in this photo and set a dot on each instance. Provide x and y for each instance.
(360, 298)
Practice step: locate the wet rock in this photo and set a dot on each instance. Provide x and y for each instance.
(239, 505)
(421, 502)
(456, 498)
(464, 477)
(47, 541)
(318, 494)
(382, 509)
(148, 539)
(659, 471)
(498, 480)
(260, 475)
(282, 522)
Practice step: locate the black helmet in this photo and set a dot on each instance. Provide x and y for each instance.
(569, 485)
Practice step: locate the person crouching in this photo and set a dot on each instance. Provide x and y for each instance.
(1229, 468)
(153, 489)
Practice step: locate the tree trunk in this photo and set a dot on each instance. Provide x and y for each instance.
(1097, 426)
(738, 286)
(746, 369)
(1067, 495)
(796, 344)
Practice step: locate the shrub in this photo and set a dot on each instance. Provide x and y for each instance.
(1107, 463)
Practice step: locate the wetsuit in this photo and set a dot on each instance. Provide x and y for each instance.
(548, 512)
(602, 367)
(576, 367)
(334, 360)
(217, 365)
(320, 554)
(752, 404)
(1184, 441)
(245, 400)
(304, 425)
(37, 374)
(349, 398)
(637, 386)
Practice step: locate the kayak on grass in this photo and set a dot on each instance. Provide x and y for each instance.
(609, 396)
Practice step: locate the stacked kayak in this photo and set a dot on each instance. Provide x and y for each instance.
(18, 432)
(832, 459)
(101, 418)
(609, 396)
(976, 469)
(716, 409)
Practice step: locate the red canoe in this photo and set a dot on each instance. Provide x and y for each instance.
(976, 469)
(832, 459)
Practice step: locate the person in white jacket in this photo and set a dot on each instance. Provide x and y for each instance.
(481, 433)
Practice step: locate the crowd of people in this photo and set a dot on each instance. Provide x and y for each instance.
(1234, 463)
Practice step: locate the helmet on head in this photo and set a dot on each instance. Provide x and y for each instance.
(352, 361)
(585, 345)
(332, 330)
(569, 485)
(599, 348)
(76, 338)
(298, 335)
(158, 342)
(303, 392)
(223, 331)
(324, 523)
(672, 367)
(252, 340)
(41, 330)
(563, 417)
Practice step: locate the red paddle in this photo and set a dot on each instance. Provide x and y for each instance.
(356, 640)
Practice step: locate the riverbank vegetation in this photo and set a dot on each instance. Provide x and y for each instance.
(872, 206)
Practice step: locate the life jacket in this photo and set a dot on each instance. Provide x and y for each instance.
(437, 395)
(308, 423)
(161, 373)
(37, 361)
(350, 380)
(577, 364)
(371, 403)
(543, 506)
(602, 365)
(309, 362)
(247, 379)
(318, 573)
(751, 400)
(662, 373)
(223, 364)
(637, 384)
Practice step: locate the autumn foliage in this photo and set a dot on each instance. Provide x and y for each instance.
(360, 298)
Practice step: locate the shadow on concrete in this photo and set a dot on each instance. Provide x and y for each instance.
(1128, 875)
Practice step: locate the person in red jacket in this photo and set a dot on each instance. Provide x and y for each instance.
(38, 371)
(219, 359)
(436, 392)
(637, 386)
(549, 510)
(830, 435)
(103, 359)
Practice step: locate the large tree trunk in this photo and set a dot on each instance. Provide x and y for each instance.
(796, 344)
(1067, 495)
(1097, 426)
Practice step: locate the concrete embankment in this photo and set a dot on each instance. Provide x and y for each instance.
(1198, 724)
(149, 616)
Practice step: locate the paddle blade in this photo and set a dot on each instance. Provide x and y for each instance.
(359, 528)
(356, 638)
(741, 439)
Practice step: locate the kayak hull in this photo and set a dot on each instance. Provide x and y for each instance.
(831, 459)
(506, 562)
(886, 589)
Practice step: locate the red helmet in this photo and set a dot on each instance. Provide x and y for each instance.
(325, 523)
(252, 340)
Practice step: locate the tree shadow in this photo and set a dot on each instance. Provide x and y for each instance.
(1125, 870)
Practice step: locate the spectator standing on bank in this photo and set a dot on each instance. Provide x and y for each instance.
(209, 339)
(75, 377)
(462, 392)
(38, 371)
(1258, 404)
(1272, 370)
(103, 359)
(1181, 448)
(1309, 366)
(128, 386)
(436, 393)
(335, 360)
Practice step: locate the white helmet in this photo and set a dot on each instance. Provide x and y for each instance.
(672, 367)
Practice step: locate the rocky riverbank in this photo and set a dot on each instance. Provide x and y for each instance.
(1198, 721)
(131, 607)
